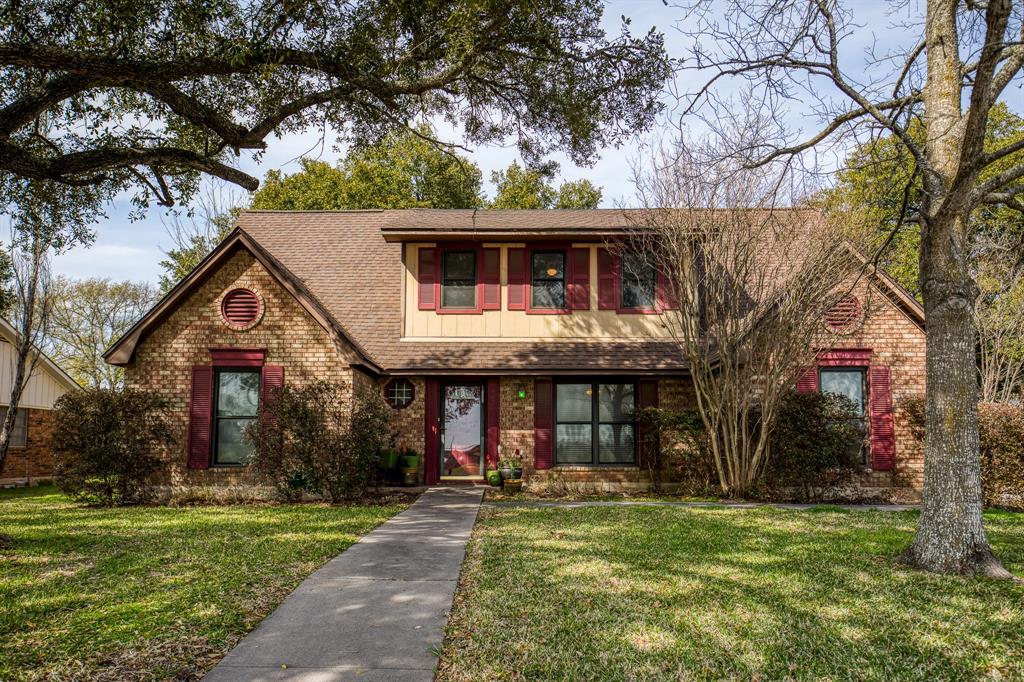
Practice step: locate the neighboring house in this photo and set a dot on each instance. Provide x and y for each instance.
(29, 458)
(484, 330)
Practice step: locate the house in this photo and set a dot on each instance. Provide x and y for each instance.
(29, 458)
(484, 330)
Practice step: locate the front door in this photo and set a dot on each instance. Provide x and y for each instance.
(462, 442)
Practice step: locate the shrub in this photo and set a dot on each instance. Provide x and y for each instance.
(675, 441)
(1001, 440)
(104, 442)
(314, 439)
(816, 441)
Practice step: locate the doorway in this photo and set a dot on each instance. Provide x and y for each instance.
(462, 433)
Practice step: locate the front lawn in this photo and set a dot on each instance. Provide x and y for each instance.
(151, 592)
(669, 593)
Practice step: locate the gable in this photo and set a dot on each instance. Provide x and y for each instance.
(192, 308)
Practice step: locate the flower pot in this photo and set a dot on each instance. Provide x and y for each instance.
(411, 461)
(494, 478)
(513, 486)
(506, 473)
(517, 472)
(410, 476)
(388, 459)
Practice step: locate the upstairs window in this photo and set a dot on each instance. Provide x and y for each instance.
(458, 279)
(548, 280)
(639, 282)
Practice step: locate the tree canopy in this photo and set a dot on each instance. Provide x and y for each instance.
(878, 177)
(404, 170)
(147, 96)
(519, 187)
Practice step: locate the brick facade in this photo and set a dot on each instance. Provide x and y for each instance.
(33, 463)
(164, 360)
(291, 337)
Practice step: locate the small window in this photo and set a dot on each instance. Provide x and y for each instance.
(399, 393)
(639, 282)
(848, 382)
(548, 280)
(237, 405)
(595, 431)
(19, 434)
(458, 279)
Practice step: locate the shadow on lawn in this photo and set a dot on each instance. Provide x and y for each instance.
(730, 592)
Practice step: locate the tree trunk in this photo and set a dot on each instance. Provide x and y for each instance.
(950, 534)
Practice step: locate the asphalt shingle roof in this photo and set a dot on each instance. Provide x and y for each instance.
(343, 260)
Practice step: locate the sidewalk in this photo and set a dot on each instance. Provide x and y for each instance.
(377, 611)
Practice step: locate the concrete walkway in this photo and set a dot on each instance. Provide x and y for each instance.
(570, 504)
(376, 611)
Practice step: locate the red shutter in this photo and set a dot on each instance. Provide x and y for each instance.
(492, 404)
(272, 379)
(607, 281)
(883, 435)
(517, 279)
(579, 288)
(543, 418)
(431, 430)
(492, 279)
(200, 416)
(427, 274)
(647, 398)
(667, 299)
(808, 381)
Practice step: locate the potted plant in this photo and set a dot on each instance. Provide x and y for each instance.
(494, 477)
(388, 459)
(517, 466)
(505, 469)
(410, 459)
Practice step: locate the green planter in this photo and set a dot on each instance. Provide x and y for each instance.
(411, 461)
(388, 459)
(494, 478)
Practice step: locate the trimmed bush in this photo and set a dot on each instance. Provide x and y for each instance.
(816, 442)
(104, 443)
(315, 439)
(1001, 432)
(675, 442)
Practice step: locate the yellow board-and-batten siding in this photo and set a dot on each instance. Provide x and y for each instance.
(518, 324)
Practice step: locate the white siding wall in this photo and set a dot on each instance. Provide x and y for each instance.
(42, 389)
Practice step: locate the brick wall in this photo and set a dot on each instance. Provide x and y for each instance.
(34, 462)
(291, 337)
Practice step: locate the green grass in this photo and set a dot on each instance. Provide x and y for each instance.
(668, 593)
(156, 592)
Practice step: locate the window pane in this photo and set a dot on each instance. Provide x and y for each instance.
(238, 394)
(549, 266)
(849, 383)
(19, 434)
(615, 402)
(615, 443)
(458, 296)
(459, 265)
(232, 447)
(638, 282)
(547, 294)
(573, 402)
(573, 443)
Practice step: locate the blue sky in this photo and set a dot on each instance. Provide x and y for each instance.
(132, 250)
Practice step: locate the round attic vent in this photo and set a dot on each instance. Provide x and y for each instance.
(240, 308)
(844, 315)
